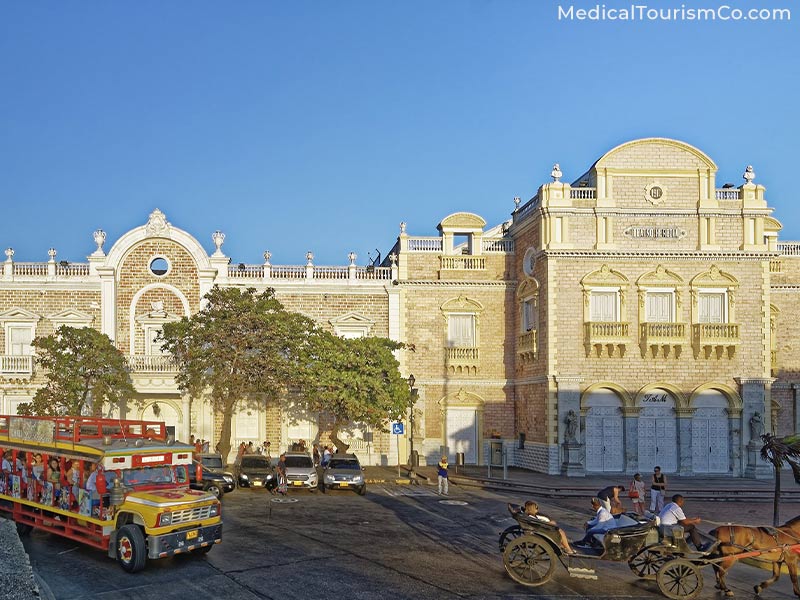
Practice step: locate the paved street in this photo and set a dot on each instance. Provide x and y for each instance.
(398, 541)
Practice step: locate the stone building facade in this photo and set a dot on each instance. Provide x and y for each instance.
(641, 315)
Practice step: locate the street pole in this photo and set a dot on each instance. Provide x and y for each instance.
(398, 456)
(411, 380)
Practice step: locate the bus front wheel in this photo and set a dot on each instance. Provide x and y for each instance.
(131, 548)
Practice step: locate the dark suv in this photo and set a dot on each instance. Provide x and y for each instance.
(212, 481)
(345, 473)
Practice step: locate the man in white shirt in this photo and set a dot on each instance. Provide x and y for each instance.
(602, 522)
(672, 514)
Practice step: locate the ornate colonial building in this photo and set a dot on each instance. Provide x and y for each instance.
(642, 315)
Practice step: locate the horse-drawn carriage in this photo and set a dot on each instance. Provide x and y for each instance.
(532, 549)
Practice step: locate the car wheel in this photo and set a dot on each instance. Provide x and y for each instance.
(131, 548)
(362, 490)
(213, 488)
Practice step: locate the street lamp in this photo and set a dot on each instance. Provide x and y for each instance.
(411, 381)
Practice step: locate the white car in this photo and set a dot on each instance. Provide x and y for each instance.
(300, 471)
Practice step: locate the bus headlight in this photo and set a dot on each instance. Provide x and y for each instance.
(214, 510)
(164, 519)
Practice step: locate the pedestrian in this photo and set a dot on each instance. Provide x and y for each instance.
(532, 510)
(267, 451)
(609, 496)
(316, 455)
(250, 448)
(672, 514)
(281, 470)
(636, 493)
(442, 476)
(206, 446)
(658, 488)
(239, 454)
(326, 456)
(198, 447)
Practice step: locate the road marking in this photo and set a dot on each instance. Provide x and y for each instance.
(407, 491)
(453, 502)
(283, 500)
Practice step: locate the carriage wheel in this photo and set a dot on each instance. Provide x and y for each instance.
(647, 562)
(679, 579)
(529, 560)
(508, 534)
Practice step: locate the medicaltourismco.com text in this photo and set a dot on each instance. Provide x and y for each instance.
(643, 12)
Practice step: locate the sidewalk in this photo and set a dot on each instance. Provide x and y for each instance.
(561, 486)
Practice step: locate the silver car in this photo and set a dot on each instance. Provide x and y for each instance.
(300, 471)
(345, 473)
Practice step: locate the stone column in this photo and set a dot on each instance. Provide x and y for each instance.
(756, 398)
(630, 424)
(186, 409)
(684, 417)
(568, 398)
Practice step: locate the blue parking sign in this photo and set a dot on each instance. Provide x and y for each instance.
(397, 428)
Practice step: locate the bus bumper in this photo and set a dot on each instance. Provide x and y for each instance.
(168, 544)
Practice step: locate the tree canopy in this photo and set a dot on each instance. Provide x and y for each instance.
(84, 371)
(242, 347)
(354, 381)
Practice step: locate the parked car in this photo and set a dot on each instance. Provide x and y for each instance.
(255, 471)
(215, 463)
(210, 480)
(344, 472)
(300, 471)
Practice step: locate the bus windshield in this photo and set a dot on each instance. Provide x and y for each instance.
(148, 476)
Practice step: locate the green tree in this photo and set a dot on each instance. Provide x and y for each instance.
(84, 372)
(242, 348)
(780, 451)
(354, 381)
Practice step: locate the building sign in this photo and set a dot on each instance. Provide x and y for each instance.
(31, 430)
(655, 233)
(655, 398)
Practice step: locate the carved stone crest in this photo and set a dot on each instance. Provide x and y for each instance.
(157, 225)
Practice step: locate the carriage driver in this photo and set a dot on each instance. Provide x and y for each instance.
(672, 514)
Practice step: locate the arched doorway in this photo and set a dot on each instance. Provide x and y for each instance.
(658, 432)
(163, 411)
(605, 442)
(710, 433)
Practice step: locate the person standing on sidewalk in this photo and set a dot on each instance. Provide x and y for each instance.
(636, 493)
(442, 472)
(658, 488)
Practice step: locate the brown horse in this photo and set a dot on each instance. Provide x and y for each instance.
(739, 539)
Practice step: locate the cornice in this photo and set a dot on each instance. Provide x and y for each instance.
(434, 283)
(500, 383)
(623, 255)
(757, 380)
(538, 379)
(47, 286)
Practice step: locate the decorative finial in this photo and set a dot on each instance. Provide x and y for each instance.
(99, 239)
(393, 258)
(309, 259)
(52, 254)
(402, 227)
(157, 225)
(219, 238)
(749, 174)
(267, 256)
(352, 256)
(517, 200)
(556, 173)
(9, 254)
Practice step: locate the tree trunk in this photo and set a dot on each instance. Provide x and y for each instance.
(340, 445)
(225, 433)
(777, 500)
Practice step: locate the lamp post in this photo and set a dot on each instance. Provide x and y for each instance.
(411, 381)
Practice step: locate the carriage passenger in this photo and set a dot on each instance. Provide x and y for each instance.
(532, 510)
(672, 514)
(602, 522)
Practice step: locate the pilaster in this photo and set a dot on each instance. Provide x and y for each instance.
(756, 405)
(568, 398)
(630, 426)
(684, 416)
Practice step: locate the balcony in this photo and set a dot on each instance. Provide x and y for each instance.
(462, 360)
(662, 338)
(156, 363)
(16, 365)
(463, 263)
(527, 348)
(608, 336)
(715, 339)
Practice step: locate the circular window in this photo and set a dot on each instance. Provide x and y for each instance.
(529, 262)
(159, 266)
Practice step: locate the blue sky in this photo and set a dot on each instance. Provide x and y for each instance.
(296, 126)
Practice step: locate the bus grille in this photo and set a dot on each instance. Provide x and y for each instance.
(191, 514)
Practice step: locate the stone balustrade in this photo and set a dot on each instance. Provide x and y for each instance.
(306, 272)
(498, 245)
(16, 365)
(789, 248)
(728, 194)
(716, 333)
(425, 244)
(583, 193)
(151, 363)
(457, 354)
(603, 332)
(463, 263)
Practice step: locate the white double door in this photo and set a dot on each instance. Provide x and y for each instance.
(604, 439)
(710, 440)
(462, 433)
(658, 439)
